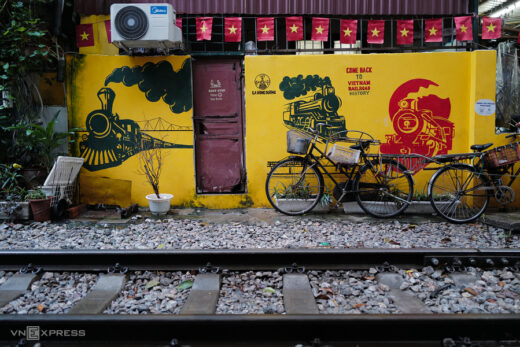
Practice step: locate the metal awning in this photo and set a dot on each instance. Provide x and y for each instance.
(298, 7)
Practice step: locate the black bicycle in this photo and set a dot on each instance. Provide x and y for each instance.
(381, 186)
(460, 190)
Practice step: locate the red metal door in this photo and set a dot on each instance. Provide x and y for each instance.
(217, 97)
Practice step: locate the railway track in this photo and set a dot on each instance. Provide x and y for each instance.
(303, 320)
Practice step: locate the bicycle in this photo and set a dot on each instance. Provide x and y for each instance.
(382, 187)
(460, 192)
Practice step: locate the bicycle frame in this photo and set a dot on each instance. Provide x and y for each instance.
(349, 172)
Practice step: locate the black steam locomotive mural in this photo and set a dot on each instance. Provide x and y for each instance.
(110, 140)
(321, 107)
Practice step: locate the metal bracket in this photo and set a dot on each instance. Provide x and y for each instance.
(294, 268)
(386, 267)
(117, 268)
(456, 266)
(30, 268)
(209, 269)
(460, 342)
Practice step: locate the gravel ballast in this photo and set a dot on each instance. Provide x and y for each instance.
(54, 292)
(152, 293)
(294, 232)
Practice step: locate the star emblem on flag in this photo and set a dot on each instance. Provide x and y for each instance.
(376, 28)
(204, 28)
(84, 36)
(404, 32)
(232, 30)
(463, 29)
(493, 28)
(433, 31)
(349, 29)
(265, 28)
(292, 28)
(319, 30)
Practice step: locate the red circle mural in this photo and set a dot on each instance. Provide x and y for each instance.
(420, 120)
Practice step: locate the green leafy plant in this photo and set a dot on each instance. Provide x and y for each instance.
(326, 199)
(300, 191)
(36, 194)
(25, 47)
(42, 141)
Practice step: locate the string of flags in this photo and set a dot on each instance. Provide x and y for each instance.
(265, 30)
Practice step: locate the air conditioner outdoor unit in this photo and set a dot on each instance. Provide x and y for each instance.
(144, 26)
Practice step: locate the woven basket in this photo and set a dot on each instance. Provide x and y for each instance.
(503, 155)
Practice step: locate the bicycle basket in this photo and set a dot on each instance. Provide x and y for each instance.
(503, 155)
(344, 155)
(298, 142)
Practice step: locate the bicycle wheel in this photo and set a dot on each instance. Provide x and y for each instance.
(293, 187)
(383, 188)
(459, 193)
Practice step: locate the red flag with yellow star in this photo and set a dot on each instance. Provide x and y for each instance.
(348, 31)
(203, 26)
(464, 28)
(320, 29)
(108, 30)
(376, 31)
(433, 30)
(405, 32)
(84, 35)
(491, 28)
(294, 28)
(233, 29)
(265, 29)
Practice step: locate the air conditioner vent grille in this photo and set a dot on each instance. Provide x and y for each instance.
(131, 23)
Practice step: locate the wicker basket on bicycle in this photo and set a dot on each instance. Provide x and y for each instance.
(298, 142)
(503, 155)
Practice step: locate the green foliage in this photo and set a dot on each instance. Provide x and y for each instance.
(25, 43)
(39, 142)
(36, 194)
(10, 179)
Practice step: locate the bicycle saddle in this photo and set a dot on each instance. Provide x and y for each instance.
(480, 148)
(363, 144)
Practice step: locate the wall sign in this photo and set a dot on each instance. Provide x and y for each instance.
(485, 107)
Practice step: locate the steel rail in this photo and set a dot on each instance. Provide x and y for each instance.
(265, 330)
(195, 330)
(253, 259)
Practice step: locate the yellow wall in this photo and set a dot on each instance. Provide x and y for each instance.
(462, 78)
(86, 76)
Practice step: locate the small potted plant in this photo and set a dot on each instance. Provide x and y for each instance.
(40, 205)
(296, 198)
(150, 165)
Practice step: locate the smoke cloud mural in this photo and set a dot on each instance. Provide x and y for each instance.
(420, 119)
(159, 81)
(320, 107)
(110, 140)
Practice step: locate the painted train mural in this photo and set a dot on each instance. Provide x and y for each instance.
(109, 140)
(321, 107)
